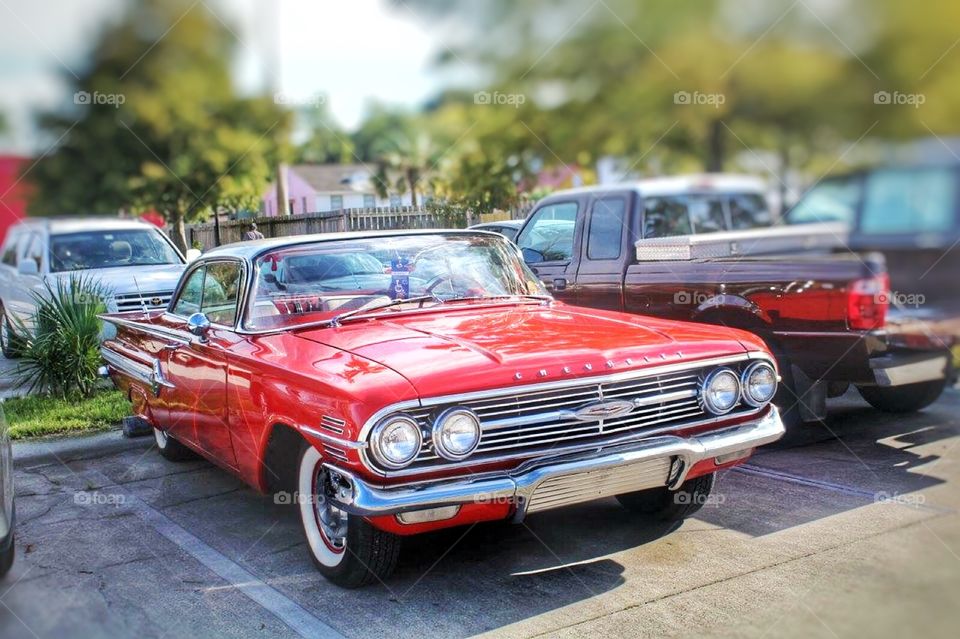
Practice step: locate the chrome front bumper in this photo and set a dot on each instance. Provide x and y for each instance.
(552, 482)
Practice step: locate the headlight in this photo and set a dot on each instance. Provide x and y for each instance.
(456, 433)
(759, 383)
(721, 391)
(396, 441)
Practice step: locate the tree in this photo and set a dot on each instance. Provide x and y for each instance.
(156, 124)
(326, 141)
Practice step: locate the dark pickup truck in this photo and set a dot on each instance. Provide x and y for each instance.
(672, 248)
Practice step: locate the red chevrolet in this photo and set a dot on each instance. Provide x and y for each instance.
(396, 383)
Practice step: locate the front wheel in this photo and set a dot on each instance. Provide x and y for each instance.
(670, 505)
(346, 549)
(903, 399)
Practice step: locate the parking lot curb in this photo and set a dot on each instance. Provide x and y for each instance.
(64, 449)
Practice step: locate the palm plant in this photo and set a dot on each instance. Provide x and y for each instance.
(60, 352)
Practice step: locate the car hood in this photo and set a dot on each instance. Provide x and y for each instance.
(121, 280)
(473, 349)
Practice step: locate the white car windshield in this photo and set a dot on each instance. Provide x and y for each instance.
(108, 249)
(317, 282)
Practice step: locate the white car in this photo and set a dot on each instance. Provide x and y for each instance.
(134, 261)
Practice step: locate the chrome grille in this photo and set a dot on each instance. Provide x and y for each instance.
(137, 301)
(580, 487)
(531, 422)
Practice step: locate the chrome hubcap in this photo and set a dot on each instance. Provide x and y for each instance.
(332, 520)
(4, 330)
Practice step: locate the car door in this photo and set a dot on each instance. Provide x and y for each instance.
(196, 370)
(548, 241)
(608, 240)
(19, 298)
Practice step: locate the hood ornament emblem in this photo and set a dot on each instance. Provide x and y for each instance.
(603, 410)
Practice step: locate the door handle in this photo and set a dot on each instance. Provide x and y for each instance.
(172, 346)
(559, 283)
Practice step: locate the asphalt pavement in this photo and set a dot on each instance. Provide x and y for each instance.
(848, 529)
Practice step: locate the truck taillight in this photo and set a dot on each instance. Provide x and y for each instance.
(867, 303)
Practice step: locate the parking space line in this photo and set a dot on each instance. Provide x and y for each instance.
(286, 610)
(876, 496)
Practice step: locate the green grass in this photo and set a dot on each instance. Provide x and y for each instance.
(36, 416)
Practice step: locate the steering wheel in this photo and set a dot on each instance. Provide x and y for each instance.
(472, 283)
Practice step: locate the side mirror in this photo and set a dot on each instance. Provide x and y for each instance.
(199, 325)
(532, 256)
(192, 254)
(27, 267)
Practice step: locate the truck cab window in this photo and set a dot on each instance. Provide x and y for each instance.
(910, 201)
(666, 217)
(706, 214)
(749, 211)
(607, 223)
(548, 236)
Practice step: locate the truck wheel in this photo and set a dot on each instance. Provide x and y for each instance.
(670, 505)
(346, 549)
(8, 338)
(171, 449)
(903, 399)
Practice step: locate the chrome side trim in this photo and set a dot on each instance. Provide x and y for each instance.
(519, 486)
(327, 438)
(151, 375)
(156, 331)
(136, 370)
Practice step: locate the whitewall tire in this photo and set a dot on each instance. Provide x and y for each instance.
(346, 549)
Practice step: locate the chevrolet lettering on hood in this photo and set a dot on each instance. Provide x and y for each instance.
(404, 382)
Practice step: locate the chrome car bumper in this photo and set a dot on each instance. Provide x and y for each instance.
(562, 480)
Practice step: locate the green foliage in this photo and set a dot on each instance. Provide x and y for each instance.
(327, 142)
(60, 352)
(39, 415)
(797, 79)
(159, 124)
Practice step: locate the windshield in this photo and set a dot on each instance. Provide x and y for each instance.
(108, 249)
(320, 281)
(831, 200)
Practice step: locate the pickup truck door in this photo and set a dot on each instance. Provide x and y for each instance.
(605, 251)
(195, 369)
(549, 241)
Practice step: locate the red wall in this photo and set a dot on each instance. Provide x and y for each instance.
(13, 194)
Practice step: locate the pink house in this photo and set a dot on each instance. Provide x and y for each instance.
(318, 188)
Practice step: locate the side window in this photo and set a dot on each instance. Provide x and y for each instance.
(832, 200)
(190, 295)
(607, 224)
(221, 290)
(548, 236)
(665, 217)
(35, 250)
(11, 249)
(749, 211)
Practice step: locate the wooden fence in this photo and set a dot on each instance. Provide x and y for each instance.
(204, 235)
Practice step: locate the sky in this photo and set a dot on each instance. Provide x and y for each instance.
(347, 51)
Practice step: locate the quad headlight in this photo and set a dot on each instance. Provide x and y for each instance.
(721, 391)
(759, 383)
(396, 441)
(456, 433)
